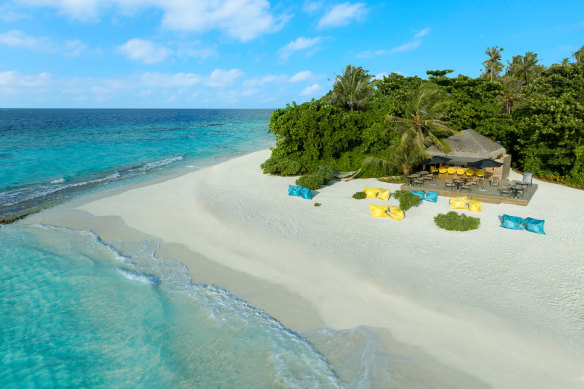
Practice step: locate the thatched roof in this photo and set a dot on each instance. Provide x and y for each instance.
(469, 144)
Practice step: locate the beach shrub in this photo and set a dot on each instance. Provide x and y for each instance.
(283, 166)
(317, 204)
(453, 221)
(407, 199)
(359, 195)
(326, 173)
(311, 182)
(394, 179)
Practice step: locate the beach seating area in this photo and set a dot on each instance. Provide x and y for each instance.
(474, 183)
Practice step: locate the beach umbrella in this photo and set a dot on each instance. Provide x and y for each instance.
(484, 163)
(435, 160)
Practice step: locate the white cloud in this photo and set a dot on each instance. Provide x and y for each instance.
(143, 50)
(169, 80)
(17, 38)
(311, 90)
(342, 14)
(8, 14)
(195, 51)
(379, 76)
(300, 43)
(263, 80)
(411, 45)
(223, 78)
(240, 19)
(311, 6)
(13, 78)
(406, 47)
(301, 76)
(422, 33)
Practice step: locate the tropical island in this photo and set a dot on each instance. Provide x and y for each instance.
(383, 126)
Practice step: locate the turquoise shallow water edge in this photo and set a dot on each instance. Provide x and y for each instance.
(74, 312)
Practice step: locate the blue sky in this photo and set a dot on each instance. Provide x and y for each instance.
(253, 53)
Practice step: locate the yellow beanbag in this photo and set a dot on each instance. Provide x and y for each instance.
(475, 205)
(371, 192)
(383, 194)
(463, 198)
(458, 204)
(378, 210)
(396, 213)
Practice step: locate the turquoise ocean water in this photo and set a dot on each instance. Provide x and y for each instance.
(75, 312)
(79, 312)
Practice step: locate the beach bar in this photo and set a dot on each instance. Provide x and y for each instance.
(474, 165)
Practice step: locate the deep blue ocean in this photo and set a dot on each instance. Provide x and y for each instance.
(79, 312)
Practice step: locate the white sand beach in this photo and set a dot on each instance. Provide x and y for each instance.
(504, 307)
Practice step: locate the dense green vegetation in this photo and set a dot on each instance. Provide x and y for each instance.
(453, 221)
(383, 126)
(407, 199)
(359, 195)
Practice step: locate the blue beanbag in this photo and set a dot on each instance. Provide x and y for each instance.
(534, 225)
(306, 193)
(294, 190)
(431, 196)
(419, 193)
(512, 222)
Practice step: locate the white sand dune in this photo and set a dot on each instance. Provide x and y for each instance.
(506, 307)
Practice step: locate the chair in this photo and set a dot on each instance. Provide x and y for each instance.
(451, 171)
(465, 187)
(503, 191)
(528, 178)
(448, 184)
(461, 171)
(443, 171)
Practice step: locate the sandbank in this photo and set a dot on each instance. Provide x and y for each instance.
(503, 307)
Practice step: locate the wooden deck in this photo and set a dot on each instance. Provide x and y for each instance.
(487, 194)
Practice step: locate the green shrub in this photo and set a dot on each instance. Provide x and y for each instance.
(359, 195)
(317, 204)
(326, 173)
(406, 199)
(311, 182)
(453, 221)
(394, 179)
(285, 167)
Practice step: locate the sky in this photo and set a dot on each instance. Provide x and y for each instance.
(254, 53)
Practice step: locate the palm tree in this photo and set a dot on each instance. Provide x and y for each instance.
(420, 128)
(493, 65)
(579, 55)
(352, 89)
(512, 92)
(524, 68)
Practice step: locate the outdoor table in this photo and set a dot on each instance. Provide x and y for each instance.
(412, 177)
(516, 189)
(458, 183)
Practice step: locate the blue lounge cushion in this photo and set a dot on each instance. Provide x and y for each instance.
(512, 222)
(431, 196)
(534, 225)
(419, 193)
(306, 193)
(294, 190)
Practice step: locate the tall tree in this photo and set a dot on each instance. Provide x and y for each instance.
(493, 65)
(579, 55)
(524, 68)
(352, 89)
(419, 128)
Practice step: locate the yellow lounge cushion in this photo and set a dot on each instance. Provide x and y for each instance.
(463, 198)
(383, 194)
(371, 193)
(458, 204)
(396, 213)
(378, 210)
(475, 205)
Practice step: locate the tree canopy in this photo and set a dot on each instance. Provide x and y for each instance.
(537, 114)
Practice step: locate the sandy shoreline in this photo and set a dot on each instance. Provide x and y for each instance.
(503, 307)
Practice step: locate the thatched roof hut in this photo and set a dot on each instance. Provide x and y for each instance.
(469, 144)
